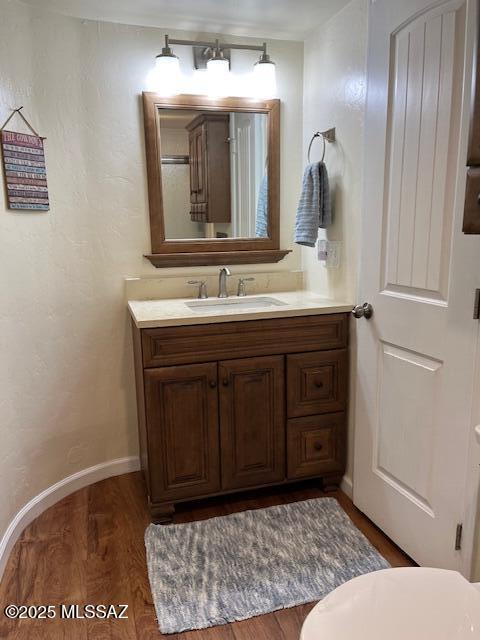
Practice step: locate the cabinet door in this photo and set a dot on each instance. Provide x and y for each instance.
(474, 137)
(201, 160)
(252, 418)
(182, 430)
(471, 215)
(193, 168)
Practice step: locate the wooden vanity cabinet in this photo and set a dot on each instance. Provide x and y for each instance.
(252, 419)
(237, 405)
(182, 409)
(209, 168)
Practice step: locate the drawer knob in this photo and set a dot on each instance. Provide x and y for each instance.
(319, 385)
(318, 446)
(213, 384)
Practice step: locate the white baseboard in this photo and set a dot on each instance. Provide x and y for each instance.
(346, 486)
(56, 492)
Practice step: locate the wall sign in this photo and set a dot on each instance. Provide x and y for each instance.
(24, 169)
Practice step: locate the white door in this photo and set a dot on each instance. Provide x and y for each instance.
(416, 354)
(248, 152)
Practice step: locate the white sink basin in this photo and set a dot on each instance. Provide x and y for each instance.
(225, 304)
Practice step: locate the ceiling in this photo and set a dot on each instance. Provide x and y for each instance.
(281, 19)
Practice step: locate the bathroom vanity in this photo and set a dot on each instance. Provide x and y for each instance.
(234, 397)
(232, 393)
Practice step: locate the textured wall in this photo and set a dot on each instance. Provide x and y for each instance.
(176, 187)
(66, 378)
(334, 96)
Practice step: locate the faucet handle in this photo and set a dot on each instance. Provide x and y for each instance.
(241, 286)
(202, 289)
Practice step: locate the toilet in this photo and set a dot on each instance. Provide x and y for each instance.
(398, 604)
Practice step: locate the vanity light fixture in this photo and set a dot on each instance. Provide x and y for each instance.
(218, 68)
(265, 76)
(166, 75)
(164, 78)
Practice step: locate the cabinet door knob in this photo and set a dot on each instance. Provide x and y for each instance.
(319, 385)
(225, 382)
(213, 384)
(318, 446)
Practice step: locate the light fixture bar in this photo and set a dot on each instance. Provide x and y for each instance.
(247, 47)
(216, 56)
(214, 44)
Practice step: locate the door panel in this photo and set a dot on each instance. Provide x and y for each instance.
(182, 424)
(252, 417)
(193, 168)
(404, 455)
(201, 161)
(418, 217)
(416, 354)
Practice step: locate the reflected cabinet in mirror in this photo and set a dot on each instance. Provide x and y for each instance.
(213, 180)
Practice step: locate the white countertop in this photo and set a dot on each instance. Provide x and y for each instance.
(174, 312)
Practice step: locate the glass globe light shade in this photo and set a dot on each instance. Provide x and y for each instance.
(218, 77)
(264, 77)
(164, 78)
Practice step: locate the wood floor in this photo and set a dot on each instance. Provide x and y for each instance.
(88, 549)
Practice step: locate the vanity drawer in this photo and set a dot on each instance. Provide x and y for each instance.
(315, 445)
(317, 382)
(229, 340)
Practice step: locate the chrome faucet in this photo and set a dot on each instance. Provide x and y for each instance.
(222, 282)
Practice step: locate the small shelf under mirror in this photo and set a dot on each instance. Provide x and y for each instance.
(216, 258)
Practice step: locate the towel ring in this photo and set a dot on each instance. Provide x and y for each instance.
(327, 136)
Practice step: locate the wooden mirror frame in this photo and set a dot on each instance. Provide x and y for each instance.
(177, 253)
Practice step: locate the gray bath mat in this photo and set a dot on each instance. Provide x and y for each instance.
(235, 567)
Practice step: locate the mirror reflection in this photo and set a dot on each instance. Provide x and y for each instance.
(214, 174)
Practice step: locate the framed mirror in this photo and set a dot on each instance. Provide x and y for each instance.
(213, 169)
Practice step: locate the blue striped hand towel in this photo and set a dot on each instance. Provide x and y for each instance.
(314, 209)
